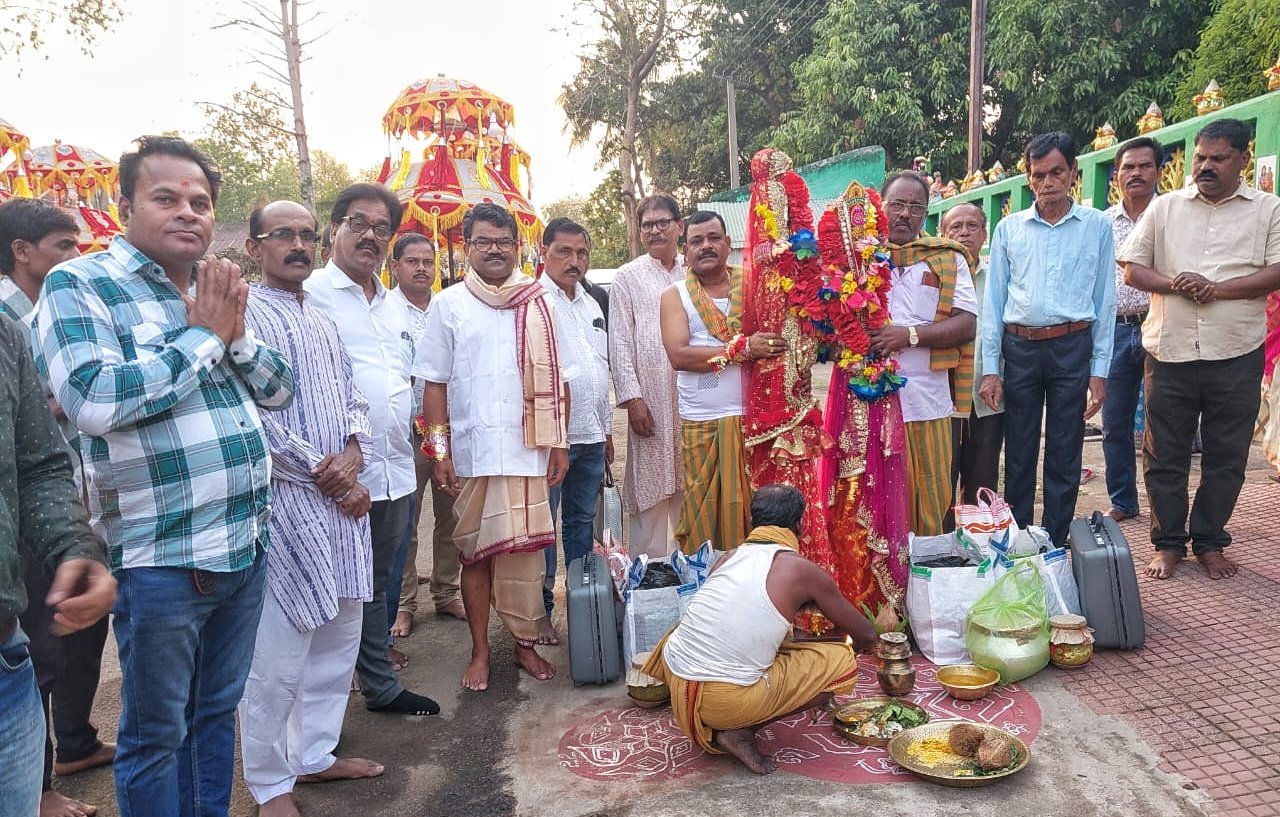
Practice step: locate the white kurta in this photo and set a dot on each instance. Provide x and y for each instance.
(927, 395)
(641, 368)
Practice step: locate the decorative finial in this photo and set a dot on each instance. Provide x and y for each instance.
(996, 173)
(1273, 76)
(1104, 137)
(1211, 100)
(1153, 119)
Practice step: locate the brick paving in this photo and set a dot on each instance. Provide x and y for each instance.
(1205, 690)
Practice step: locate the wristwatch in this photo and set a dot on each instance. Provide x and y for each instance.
(913, 337)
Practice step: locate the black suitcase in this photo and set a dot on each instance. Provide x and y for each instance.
(595, 648)
(1108, 584)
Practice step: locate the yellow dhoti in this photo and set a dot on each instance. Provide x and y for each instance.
(717, 487)
(802, 671)
(507, 521)
(930, 450)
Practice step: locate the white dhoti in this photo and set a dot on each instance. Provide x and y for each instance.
(295, 698)
(653, 530)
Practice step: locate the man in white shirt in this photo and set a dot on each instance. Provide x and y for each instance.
(934, 312)
(376, 332)
(413, 262)
(566, 246)
(496, 411)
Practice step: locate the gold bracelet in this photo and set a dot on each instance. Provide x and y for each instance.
(436, 441)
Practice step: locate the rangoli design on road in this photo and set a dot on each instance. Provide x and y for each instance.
(631, 743)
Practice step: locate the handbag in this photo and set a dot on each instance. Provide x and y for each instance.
(990, 519)
(608, 509)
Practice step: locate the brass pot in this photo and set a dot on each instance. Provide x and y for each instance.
(896, 675)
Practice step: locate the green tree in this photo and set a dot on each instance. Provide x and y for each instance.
(603, 217)
(27, 23)
(1239, 41)
(883, 72)
(328, 176)
(247, 139)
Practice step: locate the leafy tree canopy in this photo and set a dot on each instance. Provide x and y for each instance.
(1239, 42)
(29, 23)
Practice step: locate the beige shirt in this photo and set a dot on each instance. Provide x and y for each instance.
(1182, 232)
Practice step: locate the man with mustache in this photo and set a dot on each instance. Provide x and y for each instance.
(375, 330)
(496, 406)
(979, 432)
(1137, 171)
(320, 569)
(1209, 255)
(934, 310)
(1047, 332)
(566, 246)
(413, 263)
(702, 333)
(165, 389)
(644, 383)
(35, 236)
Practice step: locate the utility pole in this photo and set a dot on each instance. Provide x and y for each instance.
(732, 96)
(977, 50)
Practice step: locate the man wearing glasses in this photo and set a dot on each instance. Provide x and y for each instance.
(375, 330)
(644, 382)
(319, 570)
(934, 310)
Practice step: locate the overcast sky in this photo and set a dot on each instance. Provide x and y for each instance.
(151, 72)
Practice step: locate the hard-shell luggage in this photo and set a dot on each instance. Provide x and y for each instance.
(1108, 584)
(595, 650)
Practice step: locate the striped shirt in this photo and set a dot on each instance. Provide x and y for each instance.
(318, 553)
(175, 457)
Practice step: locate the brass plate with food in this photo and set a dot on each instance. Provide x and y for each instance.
(959, 753)
(873, 721)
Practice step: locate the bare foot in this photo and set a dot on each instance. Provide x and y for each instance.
(1162, 566)
(547, 633)
(105, 755)
(476, 676)
(1217, 565)
(53, 804)
(403, 625)
(534, 664)
(741, 743)
(455, 608)
(345, 768)
(280, 806)
(399, 659)
(355, 682)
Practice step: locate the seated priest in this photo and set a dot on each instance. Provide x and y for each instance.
(729, 663)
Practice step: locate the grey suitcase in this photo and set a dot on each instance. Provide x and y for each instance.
(595, 649)
(1103, 568)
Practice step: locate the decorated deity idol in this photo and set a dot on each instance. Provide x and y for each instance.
(783, 424)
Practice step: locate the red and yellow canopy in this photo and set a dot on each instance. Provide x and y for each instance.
(441, 105)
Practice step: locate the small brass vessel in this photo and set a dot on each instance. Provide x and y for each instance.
(896, 675)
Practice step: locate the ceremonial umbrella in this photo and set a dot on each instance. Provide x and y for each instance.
(12, 139)
(442, 105)
(96, 228)
(65, 169)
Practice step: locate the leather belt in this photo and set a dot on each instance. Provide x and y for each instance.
(8, 626)
(1046, 332)
(1134, 319)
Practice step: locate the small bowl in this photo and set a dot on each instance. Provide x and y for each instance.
(967, 682)
(650, 695)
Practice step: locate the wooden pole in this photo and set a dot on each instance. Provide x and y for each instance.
(732, 95)
(977, 49)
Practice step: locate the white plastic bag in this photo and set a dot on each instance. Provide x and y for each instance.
(990, 518)
(938, 599)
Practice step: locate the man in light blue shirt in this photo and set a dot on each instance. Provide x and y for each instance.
(1048, 325)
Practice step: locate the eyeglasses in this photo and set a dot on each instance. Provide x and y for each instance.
(486, 244)
(897, 208)
(288, 236)
(360, 226)
(656, 226)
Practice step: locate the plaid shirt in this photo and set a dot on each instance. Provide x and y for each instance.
(178, 467)
(14, 302)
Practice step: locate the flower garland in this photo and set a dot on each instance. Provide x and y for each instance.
(840, 299)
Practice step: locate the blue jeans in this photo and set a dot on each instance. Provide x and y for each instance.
(22, 734)
(578, 494)
(1118, 411)
(398, 564)
(184, 657)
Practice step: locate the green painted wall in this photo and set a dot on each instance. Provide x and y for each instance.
(828, 178)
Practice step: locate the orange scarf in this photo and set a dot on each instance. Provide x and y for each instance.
(544, 421)
(721, 326)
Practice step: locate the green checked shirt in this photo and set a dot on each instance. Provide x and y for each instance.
(177, 465)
